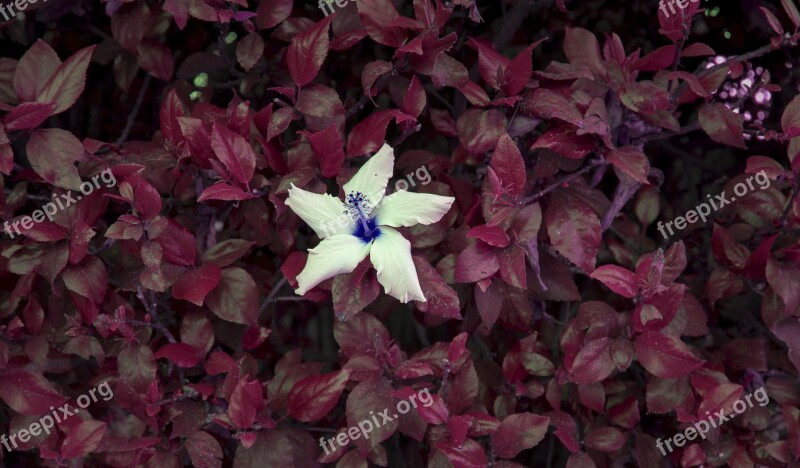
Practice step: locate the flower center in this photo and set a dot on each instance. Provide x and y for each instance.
(358, 207)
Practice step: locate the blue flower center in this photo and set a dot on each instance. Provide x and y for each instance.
(358, 207)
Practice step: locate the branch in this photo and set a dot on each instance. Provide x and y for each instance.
(665, 135)
(588, 167)
(763, 50)
(270, 298)
(132, 116)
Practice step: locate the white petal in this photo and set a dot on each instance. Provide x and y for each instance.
(337, 254)
(409, 208)
(323, 212)
(391, 257)
(374, 175)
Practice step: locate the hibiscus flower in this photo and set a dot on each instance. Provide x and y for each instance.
(364, 225)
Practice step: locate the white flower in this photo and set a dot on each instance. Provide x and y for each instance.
(363, 225)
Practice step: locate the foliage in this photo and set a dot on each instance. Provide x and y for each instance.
(560, 328)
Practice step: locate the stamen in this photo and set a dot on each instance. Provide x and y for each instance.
(358, 207)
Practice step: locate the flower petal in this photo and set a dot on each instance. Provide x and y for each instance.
(391, 257)
(409, 208)
(372, 178)
(323, 212)
(340, 253)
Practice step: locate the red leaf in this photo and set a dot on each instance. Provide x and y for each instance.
(698, 49)
(658, 59)
(441, 298)
(491, 64)
(147, 200)
(156, 59)
(722, 124)
(519, 71)
(489, 302)
(34, 69)
(28, 115)
(593, 363)
(204, 450)
(235, 298)
(773, 21)
(83, 438)
(225, 192)
(328, 149)
(547, 104)
(476, 262)
(582, 48)
(791, 10)
(171, 109)
(246, 401)
(519, 432)
(665, 356)
(509, 166)
(492, 235)
(468, 455)
(195, 285)
(235, 152)
(53, 153)
(372, 71)
(27, 393)
(271, 13)
(574, 231)
(88, 279)
(181, 354)
(67, 82)
(605, 439)
(307, 52)
(631, 161)
(249, 50)
(617, 279)
(369, 134)
(415, 99)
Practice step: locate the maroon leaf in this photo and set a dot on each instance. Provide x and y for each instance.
(307, 52)
(67, 82)
(27, 393)
(235, 152)
(328, 149)
(83, 438)
(617, 279)
(507, 163)
(631, 161)
(246, 401)
(476, 262)
(665, 356)
(204, 450)
(722, 124)
(225, 192)
(574, 231)
(519, 432)
(441, 298)
(181, 354)
(370, 133)
(235, 298)
(315, 396)
(593, 363)
(28, 115)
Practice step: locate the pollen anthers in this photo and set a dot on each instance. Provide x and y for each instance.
(358, 206)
